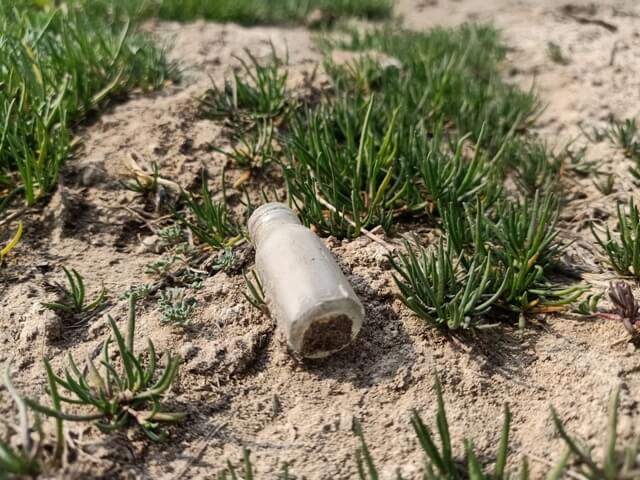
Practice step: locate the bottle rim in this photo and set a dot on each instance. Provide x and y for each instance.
(268, 213)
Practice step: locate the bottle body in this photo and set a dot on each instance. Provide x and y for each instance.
(307, 293)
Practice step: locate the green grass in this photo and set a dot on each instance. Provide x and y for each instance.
(623, 248)
(337, 160)
(445, 459)
(439, 289)
(256, 91)
(210, 220)
(75, 295)
(394, 141)
(25, 460)
(488, 264)
(245, 12)
(55, 69)
(115, 394)
(250, 12)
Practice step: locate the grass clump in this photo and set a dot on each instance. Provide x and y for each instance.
(115, 396)
(76, 294)
(22, 460)
(336, 163)
(210, 220)
(439, 289)
(623, 249)
(56, 67)
(429, 124)
(493, 262)
(256, 91)
(445, 77)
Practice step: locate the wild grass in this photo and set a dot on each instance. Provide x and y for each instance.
(439, 289)
(253, 148)
(337, 164)
(446, 459)
(430, 124)
(257, 91)
(499, 260)
(623, 249)
(210, 220)
(254, 293)
(115, 395)
(76, 296)
(56, 67)
(447, 77)
(23, 460)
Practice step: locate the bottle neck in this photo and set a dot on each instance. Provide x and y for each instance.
(267, 217)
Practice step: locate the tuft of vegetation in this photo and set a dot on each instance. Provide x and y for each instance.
(210, 220)
(176, 307)
(115, 396)
(524, 241)
(491, 261)
(623, 249)
(254, 293)
(75, 295)
(22, 460)
(144, 186)
(445, 459)
(56, 67)
(606, 186)
(256, 92)
(626, 135)
(589, 306)
(429, 124)
(625, 307)
(343, 181)
(253, 148)
(439, 289)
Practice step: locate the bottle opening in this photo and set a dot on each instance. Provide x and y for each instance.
(327, 335)
(270, 214)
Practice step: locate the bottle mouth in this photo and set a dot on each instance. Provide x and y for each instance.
(273, 213)
(327, 335)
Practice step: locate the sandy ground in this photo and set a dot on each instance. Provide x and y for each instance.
(238, 383)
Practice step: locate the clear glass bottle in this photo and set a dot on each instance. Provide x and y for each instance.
(307, 293)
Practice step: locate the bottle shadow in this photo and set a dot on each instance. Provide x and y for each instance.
(382, 350)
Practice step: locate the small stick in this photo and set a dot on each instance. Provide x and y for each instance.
(614, 51)
(366, 232)
(10, 217)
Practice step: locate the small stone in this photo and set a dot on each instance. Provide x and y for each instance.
(150, 244)
(346, 421)
(188, 350)
(91, 175)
